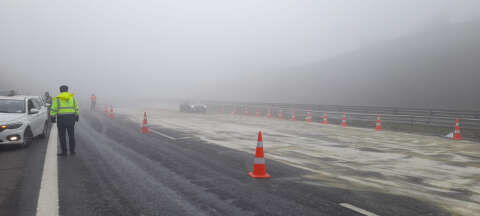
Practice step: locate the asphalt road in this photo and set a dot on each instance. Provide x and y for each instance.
(20, 177)
(119, 171)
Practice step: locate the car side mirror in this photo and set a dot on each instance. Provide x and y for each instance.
(34, 111)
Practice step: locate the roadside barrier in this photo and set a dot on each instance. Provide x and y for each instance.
(429, 120)
(145, 128)
(378, 125)
(403, 116)
(259, 168)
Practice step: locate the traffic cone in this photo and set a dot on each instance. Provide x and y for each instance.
(106, 110)
(280, 115)
(246, 111)
(378, 124)
(344, 120)
(293, 116)
(456, 134)
(269, 114)
(223, 109)
(145, 124)
(259, 168)
(325, 119)
(257, 113)
(233, 110)
(308, 118)
(112, 116)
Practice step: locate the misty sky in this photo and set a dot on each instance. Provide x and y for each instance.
(182, 48)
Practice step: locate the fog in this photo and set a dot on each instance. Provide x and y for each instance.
(216, 49)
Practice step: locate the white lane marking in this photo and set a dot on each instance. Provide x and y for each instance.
(162, 134)
(47, 204)
(356, 209)
(167, 136)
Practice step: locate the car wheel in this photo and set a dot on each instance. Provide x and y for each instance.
(27, 137)
(44, 131)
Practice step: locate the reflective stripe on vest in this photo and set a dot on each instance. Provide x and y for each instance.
(59, 107)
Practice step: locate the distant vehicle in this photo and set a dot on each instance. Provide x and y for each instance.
(8, 92)
(11, 92)
(21, 119)
(193, 107)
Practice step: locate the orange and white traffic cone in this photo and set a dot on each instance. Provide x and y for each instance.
(233, 110)
(257, 113)
(145, 124)
(112, 116)
(325, 119)
(308, 118)
(223, 109)
(293, 116)
(269, 114)
(106, 110)
(456, 134)
(259, 168)
(378, 125)
(246, 111)
(344, 120)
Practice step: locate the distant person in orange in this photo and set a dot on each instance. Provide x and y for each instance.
(93, 102)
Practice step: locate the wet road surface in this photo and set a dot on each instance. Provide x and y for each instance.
(119, 171)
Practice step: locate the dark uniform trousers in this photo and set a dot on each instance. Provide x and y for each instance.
(66, 123)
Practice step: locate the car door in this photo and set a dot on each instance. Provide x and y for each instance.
(31, 117)
(43, 111)
(34, 118)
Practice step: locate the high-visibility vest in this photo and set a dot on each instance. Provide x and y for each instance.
(64, 105)
(93, 98)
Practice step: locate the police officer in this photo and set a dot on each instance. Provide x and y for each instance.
(64, 111)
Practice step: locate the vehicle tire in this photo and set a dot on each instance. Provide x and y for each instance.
(27, 138)
(44, 131)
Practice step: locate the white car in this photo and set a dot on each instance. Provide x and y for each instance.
(21, 119)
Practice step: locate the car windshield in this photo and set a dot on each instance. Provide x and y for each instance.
(12, 106)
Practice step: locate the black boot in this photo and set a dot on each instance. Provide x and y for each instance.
(63, 154)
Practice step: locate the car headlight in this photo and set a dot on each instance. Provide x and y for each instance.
(13, 125)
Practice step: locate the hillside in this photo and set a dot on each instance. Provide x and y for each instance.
(439, 67)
